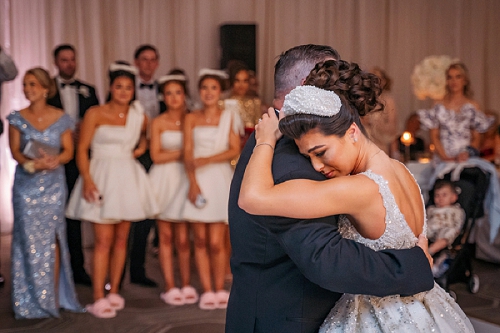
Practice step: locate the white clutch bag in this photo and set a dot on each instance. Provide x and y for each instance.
(32, 149)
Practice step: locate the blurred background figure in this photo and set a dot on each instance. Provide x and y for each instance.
(382, 127)
(8, 72)
(490, 140)
(211, 141)
(113, 188)
(455, 123)
(40, 255)
(75, 98)
(170, 186)
(249, 108)
(417, 145)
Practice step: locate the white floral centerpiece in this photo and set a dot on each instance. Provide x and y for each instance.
(429, 77)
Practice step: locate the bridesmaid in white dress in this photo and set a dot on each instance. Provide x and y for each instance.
(170, 186)
(381, 201)
(211, 141)
(113, 188)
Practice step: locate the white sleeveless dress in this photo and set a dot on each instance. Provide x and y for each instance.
(169, 181)
(214, 179)
(431, 311)
(121, 180)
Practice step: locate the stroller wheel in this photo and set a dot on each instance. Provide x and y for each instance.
(474, 283)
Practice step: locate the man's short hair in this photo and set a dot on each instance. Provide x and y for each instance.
(145, 47)
(63, 47)
(296, 63)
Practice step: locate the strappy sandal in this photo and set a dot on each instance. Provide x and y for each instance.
(208, 301)
(101, 309)
(222, 296)
(173, 297)
(190, 294)
(116, 301)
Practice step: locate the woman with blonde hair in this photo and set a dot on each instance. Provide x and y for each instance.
(40, 142)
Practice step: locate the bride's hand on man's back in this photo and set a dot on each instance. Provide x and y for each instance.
(267, 128)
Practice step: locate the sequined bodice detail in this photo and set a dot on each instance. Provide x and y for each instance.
(397, 234)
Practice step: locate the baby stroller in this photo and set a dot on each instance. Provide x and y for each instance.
(456, 260)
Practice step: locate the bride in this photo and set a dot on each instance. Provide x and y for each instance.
(380, 200)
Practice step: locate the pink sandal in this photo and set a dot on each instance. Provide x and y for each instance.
(173, 297)
(190, 294)
(222, 296)
(116, 301)
(208, 301)
(101, 309)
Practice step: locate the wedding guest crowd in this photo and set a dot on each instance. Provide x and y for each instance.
(149, 158)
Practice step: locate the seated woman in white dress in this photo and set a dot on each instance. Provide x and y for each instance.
(381, 200)
(211, 141)
(113, 188)
(170, 186)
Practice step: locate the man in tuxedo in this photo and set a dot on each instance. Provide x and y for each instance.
(8, 72)
(147, 92)
(75, 98)
(288, 273)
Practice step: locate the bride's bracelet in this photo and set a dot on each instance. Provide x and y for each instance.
(264, 144)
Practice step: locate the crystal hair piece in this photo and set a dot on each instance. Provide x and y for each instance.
(121, 67)
(166, 78)
(311, 100)
(215, 72)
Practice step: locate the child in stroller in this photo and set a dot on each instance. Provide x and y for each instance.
(454, 263)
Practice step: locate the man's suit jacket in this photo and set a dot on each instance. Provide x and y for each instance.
(288, 273)
(87, 98)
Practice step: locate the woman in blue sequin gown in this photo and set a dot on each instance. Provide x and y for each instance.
(41, 274)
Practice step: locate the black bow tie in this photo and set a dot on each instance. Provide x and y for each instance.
(145, 85)
(74, 84)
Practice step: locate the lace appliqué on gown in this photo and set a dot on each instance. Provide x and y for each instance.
(432, 311)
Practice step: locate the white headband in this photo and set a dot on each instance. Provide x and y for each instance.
(215, 72)
(121, 67)
(166, 78)
(311, 100)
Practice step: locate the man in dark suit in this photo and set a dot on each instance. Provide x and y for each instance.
(288, 273)
(75, 98)
(148, 93)
(8, 72)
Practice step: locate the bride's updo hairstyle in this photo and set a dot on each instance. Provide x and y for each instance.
(358, 91)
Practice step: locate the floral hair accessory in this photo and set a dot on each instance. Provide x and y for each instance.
(167, 78)
(215, 72)
(121, 67)
(311, 100)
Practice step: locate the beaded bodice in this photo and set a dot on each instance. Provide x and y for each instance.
(397, 234)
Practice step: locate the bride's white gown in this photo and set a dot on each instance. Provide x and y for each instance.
(432, 311)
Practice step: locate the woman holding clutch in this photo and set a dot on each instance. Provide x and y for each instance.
(40, 142)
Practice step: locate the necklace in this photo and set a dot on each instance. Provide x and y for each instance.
(208, 120)
(121, 115)
(178, 123)
(368, 160)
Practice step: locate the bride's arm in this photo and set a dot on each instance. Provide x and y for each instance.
(260, 196)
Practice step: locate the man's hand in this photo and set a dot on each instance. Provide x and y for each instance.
(423, 243)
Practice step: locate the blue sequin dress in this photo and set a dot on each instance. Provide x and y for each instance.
(39, 201)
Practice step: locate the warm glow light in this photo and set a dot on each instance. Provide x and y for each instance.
(406, 138)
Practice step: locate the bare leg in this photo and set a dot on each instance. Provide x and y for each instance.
(165, 252)
(201, 255)
(218, 253)
(104, 235)
(118, 255)
(183, 251)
